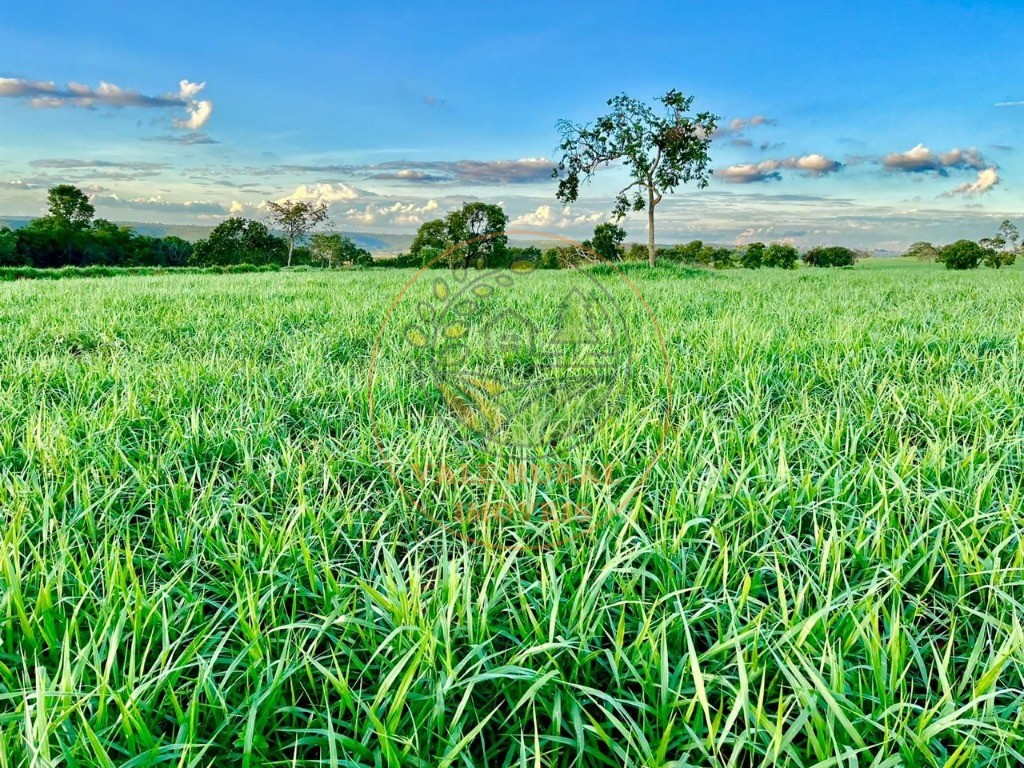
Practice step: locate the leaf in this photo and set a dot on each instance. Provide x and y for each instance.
(440, 289)
(455, 331)
(522, 266)
(483, 290)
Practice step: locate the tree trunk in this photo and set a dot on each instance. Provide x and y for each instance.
(650, 227)
(291, 247)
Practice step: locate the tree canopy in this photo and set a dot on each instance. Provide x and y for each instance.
(659, 152)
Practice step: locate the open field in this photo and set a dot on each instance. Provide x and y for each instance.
(205, 561)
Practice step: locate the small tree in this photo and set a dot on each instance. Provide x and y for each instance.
(922, 252)
(1002, 249)
(781, 256)
(335, 249)
(963, 254)
(471, 235)
(659, 152)
(753, 256)
(830, 256)
(71, 214)
(722, 258)
(296, 219)
(239, 241)
(607, 241)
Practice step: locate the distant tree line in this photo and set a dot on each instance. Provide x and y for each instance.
(999, 250)
(69, 235)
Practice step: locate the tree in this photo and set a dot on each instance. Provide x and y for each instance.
(71, 213)
(722, 258)
(781, 256)
(607, 241)
(1002, 249)
(963, 254)
(753, 256)
(660, 152)
(471, 235)
(922, 252)
(336, 249)
(479, 231)
(239, 241)
(70, 206)
(9, 256)
(830, 256)
(431, 234)
(296, 219)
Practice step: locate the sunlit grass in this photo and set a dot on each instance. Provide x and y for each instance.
(205, 558)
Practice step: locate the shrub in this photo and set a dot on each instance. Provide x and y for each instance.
(781, 256)
(963, 254)
(753, 256)
(830, 256)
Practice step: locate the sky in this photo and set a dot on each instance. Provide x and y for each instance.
(866, 124)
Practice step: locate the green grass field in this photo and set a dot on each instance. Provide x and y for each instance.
(205, 560)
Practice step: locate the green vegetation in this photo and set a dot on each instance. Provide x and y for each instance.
(203, 560)
(830, 256)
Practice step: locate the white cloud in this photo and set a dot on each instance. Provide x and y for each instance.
(538, 218)
(920, 159)
(987, 179)
(44, 94)
(198, 111)
(769, 170)
(324, 193)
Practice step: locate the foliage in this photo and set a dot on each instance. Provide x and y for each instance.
(1002, 249)
(10, 274)
(296, 218)
(781, 256)
(753, 256)
(688, 253)
(470, 236)
(722, 258)
(922, 251)
(335, 250)
(9, 255)
(69, 206)
(830, 256)
(203, 561)
(607, 241)
(659, 152)
(963, 254)
(238, 240)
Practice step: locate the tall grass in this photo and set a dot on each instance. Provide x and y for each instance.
(204, 559)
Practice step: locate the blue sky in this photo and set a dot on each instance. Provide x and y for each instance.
(870, 124)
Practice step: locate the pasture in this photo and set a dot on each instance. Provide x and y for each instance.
(205, 560)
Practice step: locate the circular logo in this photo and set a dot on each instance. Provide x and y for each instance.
(504, 400)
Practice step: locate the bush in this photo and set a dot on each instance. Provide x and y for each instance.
(830, 256)
(781, 256)
(753, 256)
(963, 254)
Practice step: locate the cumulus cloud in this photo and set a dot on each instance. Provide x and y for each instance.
(987, 179)
(45, 94)
(770, 170)
(541, 217)
(398, 213)
(921, 159)
(157, 203)
(324, 193)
